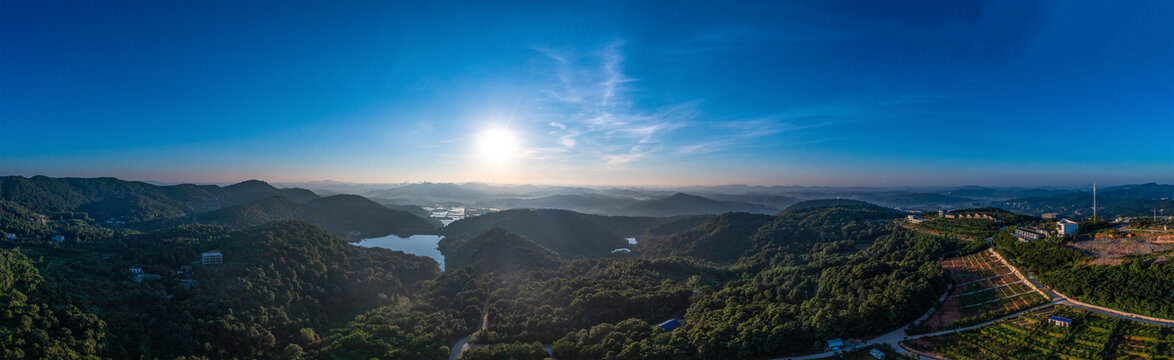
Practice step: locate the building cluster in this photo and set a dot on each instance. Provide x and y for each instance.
(971, 216)
(184, 274)
(137, 274)
(913, 219)
(1064, 227)
(447, 215)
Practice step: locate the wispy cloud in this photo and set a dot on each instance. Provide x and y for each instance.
(591, 96)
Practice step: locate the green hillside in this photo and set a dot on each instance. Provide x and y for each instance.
(722, 239)
(498, 250)
(568, 233)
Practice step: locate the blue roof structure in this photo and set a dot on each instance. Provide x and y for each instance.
(670, 324)
(1060, 319)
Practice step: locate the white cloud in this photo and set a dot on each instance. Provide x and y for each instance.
(591, 97)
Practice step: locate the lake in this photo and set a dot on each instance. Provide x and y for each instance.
(423, 245)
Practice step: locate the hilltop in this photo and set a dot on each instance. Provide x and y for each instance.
(570, 234)
(499, 251)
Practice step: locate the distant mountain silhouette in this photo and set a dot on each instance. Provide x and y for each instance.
(685, 204)
(241, 205)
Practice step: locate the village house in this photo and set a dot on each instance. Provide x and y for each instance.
(10, 236)
(913, 219)
(58, 238)
(1067, 227)
(1060, 321)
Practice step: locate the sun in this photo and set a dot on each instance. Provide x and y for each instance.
(497, 145)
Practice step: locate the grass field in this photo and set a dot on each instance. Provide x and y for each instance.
(1029, 336)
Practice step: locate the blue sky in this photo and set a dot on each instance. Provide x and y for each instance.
(624, 93)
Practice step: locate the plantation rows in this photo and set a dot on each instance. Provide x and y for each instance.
(987, 289)
(1030, 336)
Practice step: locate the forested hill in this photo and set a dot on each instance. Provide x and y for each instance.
(133, 201)
(570, 234)
(723, 239)
(731, 236)
(349, 216)
(280, 285)
(353, 213)
(498, 250)
(144, 206)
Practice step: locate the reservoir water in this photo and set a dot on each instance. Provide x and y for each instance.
(423, 245)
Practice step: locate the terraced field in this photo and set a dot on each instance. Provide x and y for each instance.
(1029, 336)
(985, 288)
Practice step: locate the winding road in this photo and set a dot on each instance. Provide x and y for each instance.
(463, 343)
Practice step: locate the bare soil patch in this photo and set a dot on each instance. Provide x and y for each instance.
(1111, 251)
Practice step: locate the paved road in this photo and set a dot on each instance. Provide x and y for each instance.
(893, 338)
(463, 343)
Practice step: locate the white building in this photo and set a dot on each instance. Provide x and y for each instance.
(1028, 234)
(1066, 227)
(58, 238)
(11, 236)
(212, 257)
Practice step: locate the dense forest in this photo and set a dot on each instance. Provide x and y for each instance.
(744, 285)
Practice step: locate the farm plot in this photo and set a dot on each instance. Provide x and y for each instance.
(1030, 336)
(985, 288)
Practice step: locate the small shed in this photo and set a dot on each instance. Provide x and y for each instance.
(1060, 321)
(835, 344)
(670, 324)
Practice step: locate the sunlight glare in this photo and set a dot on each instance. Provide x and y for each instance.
(497, 145)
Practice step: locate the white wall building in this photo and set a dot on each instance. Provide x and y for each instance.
(212, 257)
(1066, 227)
